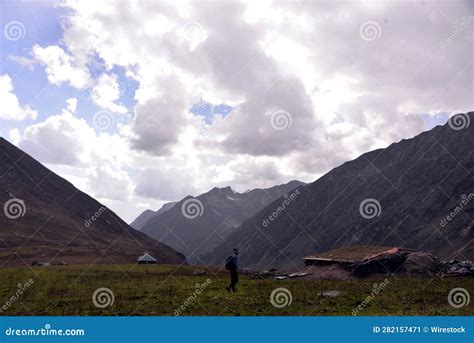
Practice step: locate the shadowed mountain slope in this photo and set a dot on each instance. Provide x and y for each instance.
(45, 218)
(417, 193)
(196, 225)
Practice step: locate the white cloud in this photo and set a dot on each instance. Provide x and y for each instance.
(340, 74)
(61, 67)
(106, 92)
(60, 139)
(159, 120)
(164, 185)
(10, 108)
(345, 95)
(143, 205)
(106, 182)
(26, 62)
(71, 104)
(15, 136)
(67, 140)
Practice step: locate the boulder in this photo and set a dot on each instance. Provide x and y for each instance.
(199, 272)
(421, 263)
(458, 268)
(269, 274)
(330, 294)
(387, 262)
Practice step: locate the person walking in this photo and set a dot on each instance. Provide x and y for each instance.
(232, 266)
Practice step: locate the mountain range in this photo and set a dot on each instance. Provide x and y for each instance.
(146, 215)
(217, 214)
(46, 219)
(417, 193)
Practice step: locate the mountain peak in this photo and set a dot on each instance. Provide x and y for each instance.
(411, 186)
(220, 212)
(221, 190)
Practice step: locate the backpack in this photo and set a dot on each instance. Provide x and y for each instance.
(228, 263)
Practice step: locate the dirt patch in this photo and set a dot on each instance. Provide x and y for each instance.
(328, 272)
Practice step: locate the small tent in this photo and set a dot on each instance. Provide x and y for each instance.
(146, 259)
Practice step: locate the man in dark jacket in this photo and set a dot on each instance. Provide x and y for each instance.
(233, 269)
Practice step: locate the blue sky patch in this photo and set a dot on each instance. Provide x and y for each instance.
(432, 121)
(208, 110)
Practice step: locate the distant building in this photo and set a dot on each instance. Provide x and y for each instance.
(348, 256)
(321, 261)
(362, 260)
(146, 259)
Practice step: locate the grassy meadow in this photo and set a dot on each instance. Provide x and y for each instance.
(153, 290)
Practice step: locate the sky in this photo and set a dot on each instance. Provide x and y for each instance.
(138, 103)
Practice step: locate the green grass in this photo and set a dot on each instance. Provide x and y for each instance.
(161, 289)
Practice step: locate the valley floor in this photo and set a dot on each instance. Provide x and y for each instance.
(153, 290)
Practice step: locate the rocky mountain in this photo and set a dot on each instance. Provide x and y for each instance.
(44, 218)
(146, 215)
(417, 193)
(196, 225)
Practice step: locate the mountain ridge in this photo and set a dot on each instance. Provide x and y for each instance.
(327, 213)
(146, 215)
(45, 217)
(221, 209)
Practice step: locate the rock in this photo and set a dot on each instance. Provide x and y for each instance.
(461, 271)
(421, 263)
(387, 262)
(299, 274)
(246, 271)
(458, 268)
(330, 294)
(269, 274)
(199, 272)
(329, 272)
(467, 264)
(40, 264)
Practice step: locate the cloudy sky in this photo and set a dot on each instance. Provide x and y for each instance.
(142, 102)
